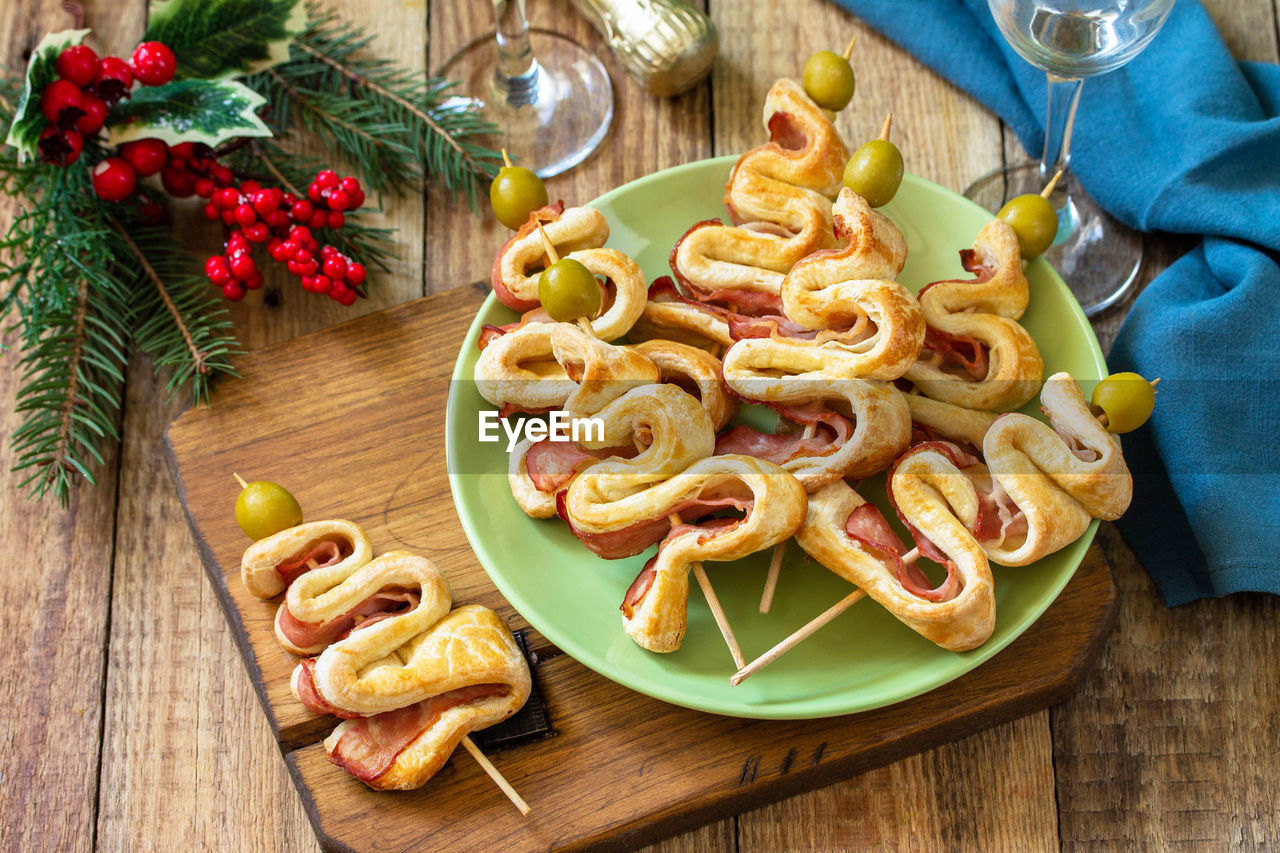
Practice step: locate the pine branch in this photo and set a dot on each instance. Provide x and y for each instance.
(182, 322)
(397, 127)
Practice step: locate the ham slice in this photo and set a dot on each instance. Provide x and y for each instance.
(644, 581)
(369, 746)
(833, 430)
(324, 553)
(965, 354)
(381, 605)
(552, 464)
(634, 538)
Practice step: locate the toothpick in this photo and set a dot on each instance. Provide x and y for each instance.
(848, 51)
(1053, 182)
(799, 636)
(240, 480)
(585, 325)
(911, 556)
(1103, 419)
(1155, 382)
(884, 130)
(312, 564)
(771, 582)
(506, 161)
(546, 242)
(498, 779)
(722, 621)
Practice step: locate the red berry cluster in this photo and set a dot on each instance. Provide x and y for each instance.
(257, 214)
(76, 104)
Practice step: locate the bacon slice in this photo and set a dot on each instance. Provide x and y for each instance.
(310, 696)
(369, 747)
(381, 605)
(633, 539)
(644, 581)
(960, 351)
(325, 553)
(833, 430)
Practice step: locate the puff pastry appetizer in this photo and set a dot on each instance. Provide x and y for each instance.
(975, 353)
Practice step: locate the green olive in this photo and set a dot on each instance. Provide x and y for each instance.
(1127, 399)
(514, 194)
(1034, 221)
(264, 508)
(828, 79)
(875, 172)
(568, 291)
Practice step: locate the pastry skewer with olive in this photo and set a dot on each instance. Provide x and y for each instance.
(283, 558)
(1094, 483)
(1033, 219)
(515, 193)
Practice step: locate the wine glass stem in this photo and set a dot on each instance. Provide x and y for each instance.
(1060, 118)
(516, 75)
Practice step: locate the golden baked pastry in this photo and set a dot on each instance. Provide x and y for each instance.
(779, 196)
(861, 322)
(655, 608)
(669, 316)
(333, 548)
(625, 294)
(975, 353)
(544, 366)
(519, 262)
(650, 433)
(851, 538)
(412, 682)
(852, 427)
(696, 371)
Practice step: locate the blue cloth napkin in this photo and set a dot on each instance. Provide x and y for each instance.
(1183, 139)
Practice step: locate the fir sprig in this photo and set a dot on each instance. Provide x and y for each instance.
(398, 128)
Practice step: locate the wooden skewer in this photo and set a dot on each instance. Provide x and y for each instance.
(240, 480)
(498, 779)
(775, 564)
(722, 621)
(546, 242)
(790, 642)
(771, 582)
(848, 51)
(506, 161)
(1053, 182)
(884, 129)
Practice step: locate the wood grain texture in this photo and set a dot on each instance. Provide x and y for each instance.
(54, 595)
(165, 776)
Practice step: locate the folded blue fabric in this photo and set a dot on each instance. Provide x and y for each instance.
(1183, 139)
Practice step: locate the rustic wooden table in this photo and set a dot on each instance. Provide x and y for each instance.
(136, 724)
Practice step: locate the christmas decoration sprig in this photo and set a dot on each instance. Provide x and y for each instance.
(205, 106)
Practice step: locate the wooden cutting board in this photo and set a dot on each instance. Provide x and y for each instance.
(352, 420)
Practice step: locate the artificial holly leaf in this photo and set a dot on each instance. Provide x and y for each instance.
(208, 111)
(42, 70)
(219, 39)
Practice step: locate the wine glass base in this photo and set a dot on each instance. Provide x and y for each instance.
(1096, 255)
(549, 119)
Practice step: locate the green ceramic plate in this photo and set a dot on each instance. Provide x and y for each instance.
(865, 658)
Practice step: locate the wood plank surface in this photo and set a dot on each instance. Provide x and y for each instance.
(390, 389)
(1171, 741)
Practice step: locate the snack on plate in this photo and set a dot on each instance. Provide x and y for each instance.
(545, 366)
(779, 196)
(655, 608)
(975, 353)
(514, 276)
(846, 428)
(847, 317)
(410, 677)
(649, 434)
(851, 538)
(670, 316)
(696, 371)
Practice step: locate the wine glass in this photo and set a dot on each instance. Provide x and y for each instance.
(1071, 40)
(550, 98)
